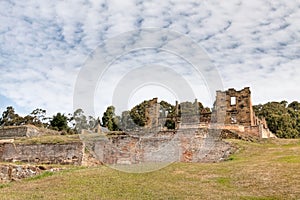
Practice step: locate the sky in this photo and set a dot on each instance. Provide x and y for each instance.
(47, 47)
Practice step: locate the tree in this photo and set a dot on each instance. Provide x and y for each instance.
(10, 118)
(170, 124)
(80, 121)
(110, 120)
(92, 122)
(39, 115)
(295, 106)
(138, 115)
(169, 111)
(282, 118)
(59, 122)
(36, 117)
(126, 121)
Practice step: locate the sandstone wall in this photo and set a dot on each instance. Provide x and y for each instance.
(265, 132)
(71, 153)
(234, 107)
(253, 130)
(190, 145)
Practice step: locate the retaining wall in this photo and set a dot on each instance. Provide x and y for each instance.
(19, 131)
(70, 153)
(190, 145)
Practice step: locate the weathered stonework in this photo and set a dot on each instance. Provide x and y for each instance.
(190, 145)
(70, 153)
(11, 172)
(234, 107)
(232, 110)
(16, 172)
(152, 114)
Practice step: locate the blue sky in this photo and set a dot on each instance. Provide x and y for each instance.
(45, 44)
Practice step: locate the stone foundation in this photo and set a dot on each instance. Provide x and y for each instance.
(16, 172)
(10, 172)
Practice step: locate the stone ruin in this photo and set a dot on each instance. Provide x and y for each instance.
(232, 111)
(11, 172)
(196, 138)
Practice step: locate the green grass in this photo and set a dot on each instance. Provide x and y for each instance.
(40, 176)
(224, 181)
(49, 139)
(290, 159)
(266, 170)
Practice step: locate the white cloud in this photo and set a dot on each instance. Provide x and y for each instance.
(43, 44)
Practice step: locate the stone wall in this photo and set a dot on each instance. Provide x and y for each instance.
(152, 113)
(19, 131)
(234, 107)
(190, 145)
(70, 153)
(265, 132)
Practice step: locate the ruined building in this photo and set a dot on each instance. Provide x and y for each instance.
(232, 111)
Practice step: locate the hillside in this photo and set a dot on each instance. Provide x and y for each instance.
(265, 170)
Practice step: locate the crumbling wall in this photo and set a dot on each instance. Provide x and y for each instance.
(234, 107)
(258, 121)
(11, 172)
(70, 153)
(253, 130)
(152, 114)
(265, 132)
(16, 172)
(189, 145)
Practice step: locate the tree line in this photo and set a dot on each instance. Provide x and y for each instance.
(75, 122)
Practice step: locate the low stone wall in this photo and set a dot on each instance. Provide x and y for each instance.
(70, 153)
(19, 131)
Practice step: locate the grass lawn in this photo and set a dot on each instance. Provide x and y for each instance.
(266, 170)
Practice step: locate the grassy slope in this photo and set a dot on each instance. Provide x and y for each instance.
(269, 170)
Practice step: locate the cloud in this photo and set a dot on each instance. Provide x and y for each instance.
(44, 44)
